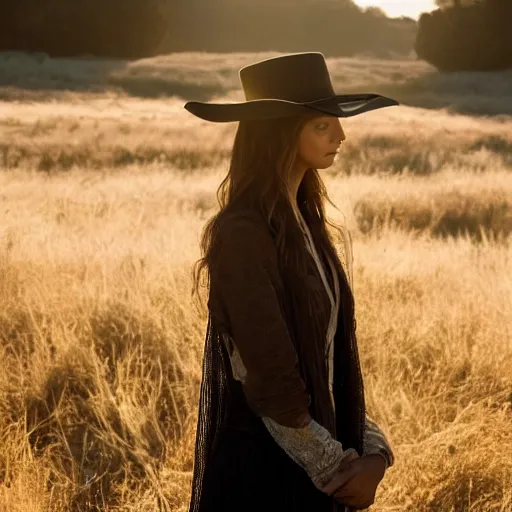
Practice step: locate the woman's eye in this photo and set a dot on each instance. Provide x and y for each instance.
(322, 126)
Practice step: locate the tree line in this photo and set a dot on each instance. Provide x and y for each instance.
(139, 28)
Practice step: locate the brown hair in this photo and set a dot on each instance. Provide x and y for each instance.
(263, 155)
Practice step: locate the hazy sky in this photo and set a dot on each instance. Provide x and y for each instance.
(393, 8)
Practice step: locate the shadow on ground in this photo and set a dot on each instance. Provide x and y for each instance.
(470, 93)
(202, 78)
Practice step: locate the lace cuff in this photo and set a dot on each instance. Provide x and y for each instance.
(375, 442)
(312, 447)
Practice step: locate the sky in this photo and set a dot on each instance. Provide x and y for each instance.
(394, 8)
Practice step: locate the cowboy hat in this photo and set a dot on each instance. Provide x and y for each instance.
(288, 85)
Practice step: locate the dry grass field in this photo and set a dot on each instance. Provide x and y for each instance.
(105, 185)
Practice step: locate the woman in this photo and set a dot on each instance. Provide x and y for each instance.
(282, 423)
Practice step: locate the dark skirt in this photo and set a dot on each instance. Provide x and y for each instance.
(237, 465)
(249, 471)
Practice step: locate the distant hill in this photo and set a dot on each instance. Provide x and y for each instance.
(336, 28)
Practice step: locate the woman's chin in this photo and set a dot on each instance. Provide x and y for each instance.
(324, 165)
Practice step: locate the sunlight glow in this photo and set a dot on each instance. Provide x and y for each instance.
(395, 8)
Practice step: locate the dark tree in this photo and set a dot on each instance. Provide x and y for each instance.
(472, 37)
(115, 28)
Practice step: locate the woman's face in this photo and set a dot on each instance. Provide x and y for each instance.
(319, 141)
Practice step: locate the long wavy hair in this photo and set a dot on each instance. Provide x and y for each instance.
(263, 155)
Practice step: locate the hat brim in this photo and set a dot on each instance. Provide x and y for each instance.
(341, 105)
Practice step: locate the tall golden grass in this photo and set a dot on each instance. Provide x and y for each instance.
(103, 196)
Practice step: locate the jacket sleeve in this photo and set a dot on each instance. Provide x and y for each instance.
(245, 276)
(375, 441)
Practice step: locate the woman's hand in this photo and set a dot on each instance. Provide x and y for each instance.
(359, 481)
(339, 478)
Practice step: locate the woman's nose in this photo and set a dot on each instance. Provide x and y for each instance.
(338, 133)
(342, 134)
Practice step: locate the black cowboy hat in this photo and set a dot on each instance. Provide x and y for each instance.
(288, 85)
